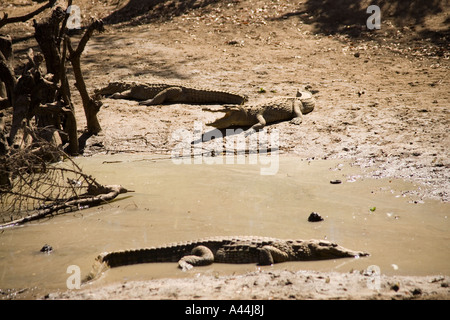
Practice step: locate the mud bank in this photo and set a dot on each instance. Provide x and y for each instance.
(382, 105)
(268, 285)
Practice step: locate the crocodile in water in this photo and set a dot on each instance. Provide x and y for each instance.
(160, 93)
(237, 249)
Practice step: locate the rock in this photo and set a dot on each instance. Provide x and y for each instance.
(46, 248)
(395, 286)
(315, 217)
(416, 291)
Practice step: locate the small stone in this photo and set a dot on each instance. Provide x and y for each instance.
(314, 217)
(417, 291)
(335, 181)
(46, 248)
(233, 42)
(287, 282)
(395, 287)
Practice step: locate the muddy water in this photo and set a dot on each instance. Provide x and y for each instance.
(405, 236)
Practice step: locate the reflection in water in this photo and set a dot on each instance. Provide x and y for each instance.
(183, 202)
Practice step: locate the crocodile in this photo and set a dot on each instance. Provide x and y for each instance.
(160, 93)
(228, 249)
(272, 110)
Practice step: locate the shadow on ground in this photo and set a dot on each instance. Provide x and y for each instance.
(346, 17)
(349, 17)
(144, 11)
(337, 15)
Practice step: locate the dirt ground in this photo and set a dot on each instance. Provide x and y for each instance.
(273, 285)
(382, 102)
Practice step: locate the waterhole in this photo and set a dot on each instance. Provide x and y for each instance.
(170, 203)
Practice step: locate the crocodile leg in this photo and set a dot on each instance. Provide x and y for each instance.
(201, 256)
(164, 95)
(261, 123)
(298, 118)
(256, 127)
(121, 95)
(269, 255)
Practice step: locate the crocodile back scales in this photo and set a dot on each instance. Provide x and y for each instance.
(232, 250)
(190, 94)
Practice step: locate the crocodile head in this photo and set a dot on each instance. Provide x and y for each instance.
(322, 249)
(308, 102)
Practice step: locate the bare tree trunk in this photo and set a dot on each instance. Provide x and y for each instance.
(46, 97)
(7, 79)
(47, 35)
(91, 105)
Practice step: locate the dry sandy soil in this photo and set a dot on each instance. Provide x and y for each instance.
(382, 102)
(273, 285)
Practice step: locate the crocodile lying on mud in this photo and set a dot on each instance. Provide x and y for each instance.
(272, 110)
(237, 249)
(160, 93)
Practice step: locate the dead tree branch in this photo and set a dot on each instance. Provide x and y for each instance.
(36, 189)
(47, 35)
(5, 20)
(45, 98)
(7, 78)
(91, 105)
(111, 192)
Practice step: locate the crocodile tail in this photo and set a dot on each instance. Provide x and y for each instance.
(107, 260)
(98, 268)
(104, 261)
